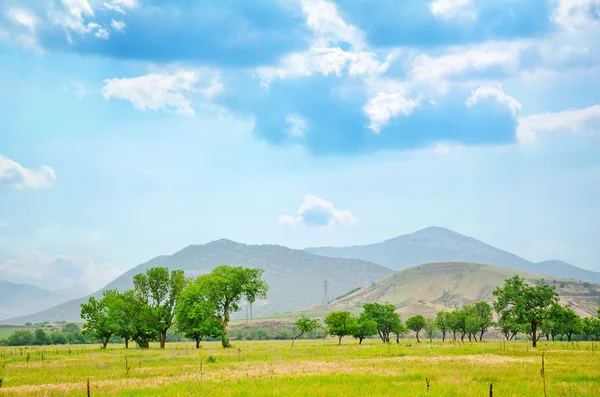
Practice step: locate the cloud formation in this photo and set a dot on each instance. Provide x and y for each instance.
(575, 122)
(156, 91)
(315, 212)
(52, 270)
(494, 92)
(19, 177)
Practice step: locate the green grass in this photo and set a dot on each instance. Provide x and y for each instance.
(311, 368)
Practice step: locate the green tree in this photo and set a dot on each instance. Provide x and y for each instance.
(416, 323)
(572, 323)
(20, 337)
(95, 313)
(386, 318)
(482, 311)
(226, 286)
(442, 322)
(530, 305)
(196, 315)
(341, 324)
(365, 327)
(454, 323)
(160, 289)
(132, 318)
(509, 326)
(591, 328)
(430, 328)
(41, 338)
(305, 325)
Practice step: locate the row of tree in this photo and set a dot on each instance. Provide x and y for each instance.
(160, 300)
(522, 308)
(68, 334)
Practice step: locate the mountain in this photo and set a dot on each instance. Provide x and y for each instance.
(436, 244)
(22, 299)
(429, 288)
(296, 277)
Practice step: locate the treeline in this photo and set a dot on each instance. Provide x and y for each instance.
(161, 300)
(47, 334)
(532, 310)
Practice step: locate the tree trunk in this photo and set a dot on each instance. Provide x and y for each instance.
(126, 343)
(418, 341)
(462, 337)
(481, 335)
(534, 334)
(569, 337)
(162, 337)
(443, 336)
(198, 339)
(295, 337)
(454, 335)
(339, 340)
(105, 342)
(552, 337)
(360, 340)
(224, 322)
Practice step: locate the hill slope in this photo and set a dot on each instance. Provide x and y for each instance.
(429, 288)
(436, 244)
(295, 277)
(19, 299)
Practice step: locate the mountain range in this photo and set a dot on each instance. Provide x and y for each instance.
(296, 277)
(19, 299)
(432, 287)
(436, 244)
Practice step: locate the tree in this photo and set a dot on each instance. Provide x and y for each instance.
(591, 328)
(386, 318)
(430, 328)
(226, 286)
(416, 323)
(20, 337)
(442, 322)
(132, 318)
(341, 324)
(482, 311)
(365, 327)
(571, 322)
(95, 313)
(530, 305)
(160, 290)
(41, 338)
(454, 323)
(508, 325)
(305, 325)
(196, 315)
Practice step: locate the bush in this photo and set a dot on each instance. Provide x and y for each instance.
(260, 334)
(20, 337)
(283, 334)
(238, 334)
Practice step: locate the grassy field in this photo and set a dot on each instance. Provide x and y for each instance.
(311, 368)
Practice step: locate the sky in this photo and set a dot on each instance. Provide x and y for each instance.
(133, 128)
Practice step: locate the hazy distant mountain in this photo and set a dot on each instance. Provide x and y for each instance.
(436, 244)
(429, 288)
(296, 277)
(22, 299)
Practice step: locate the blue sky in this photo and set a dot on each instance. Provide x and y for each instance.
(132, 128)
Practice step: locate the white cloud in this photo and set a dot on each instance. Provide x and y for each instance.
(120, 5)
(449, 9)
(315, 211)
(20, 177)
(21, 28)
(575, 122)
(504, 56)
(575, 15)
(163, 90)
(102, 33)
(117, 25)
(494, 92)
(383, 106)
(296, 125)
(57, 271)
(323, 19)
(95, 237)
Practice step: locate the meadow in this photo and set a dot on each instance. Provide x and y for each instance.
(311, 368)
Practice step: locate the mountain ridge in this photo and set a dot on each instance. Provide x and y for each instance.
(438, 244)
(295, 277)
